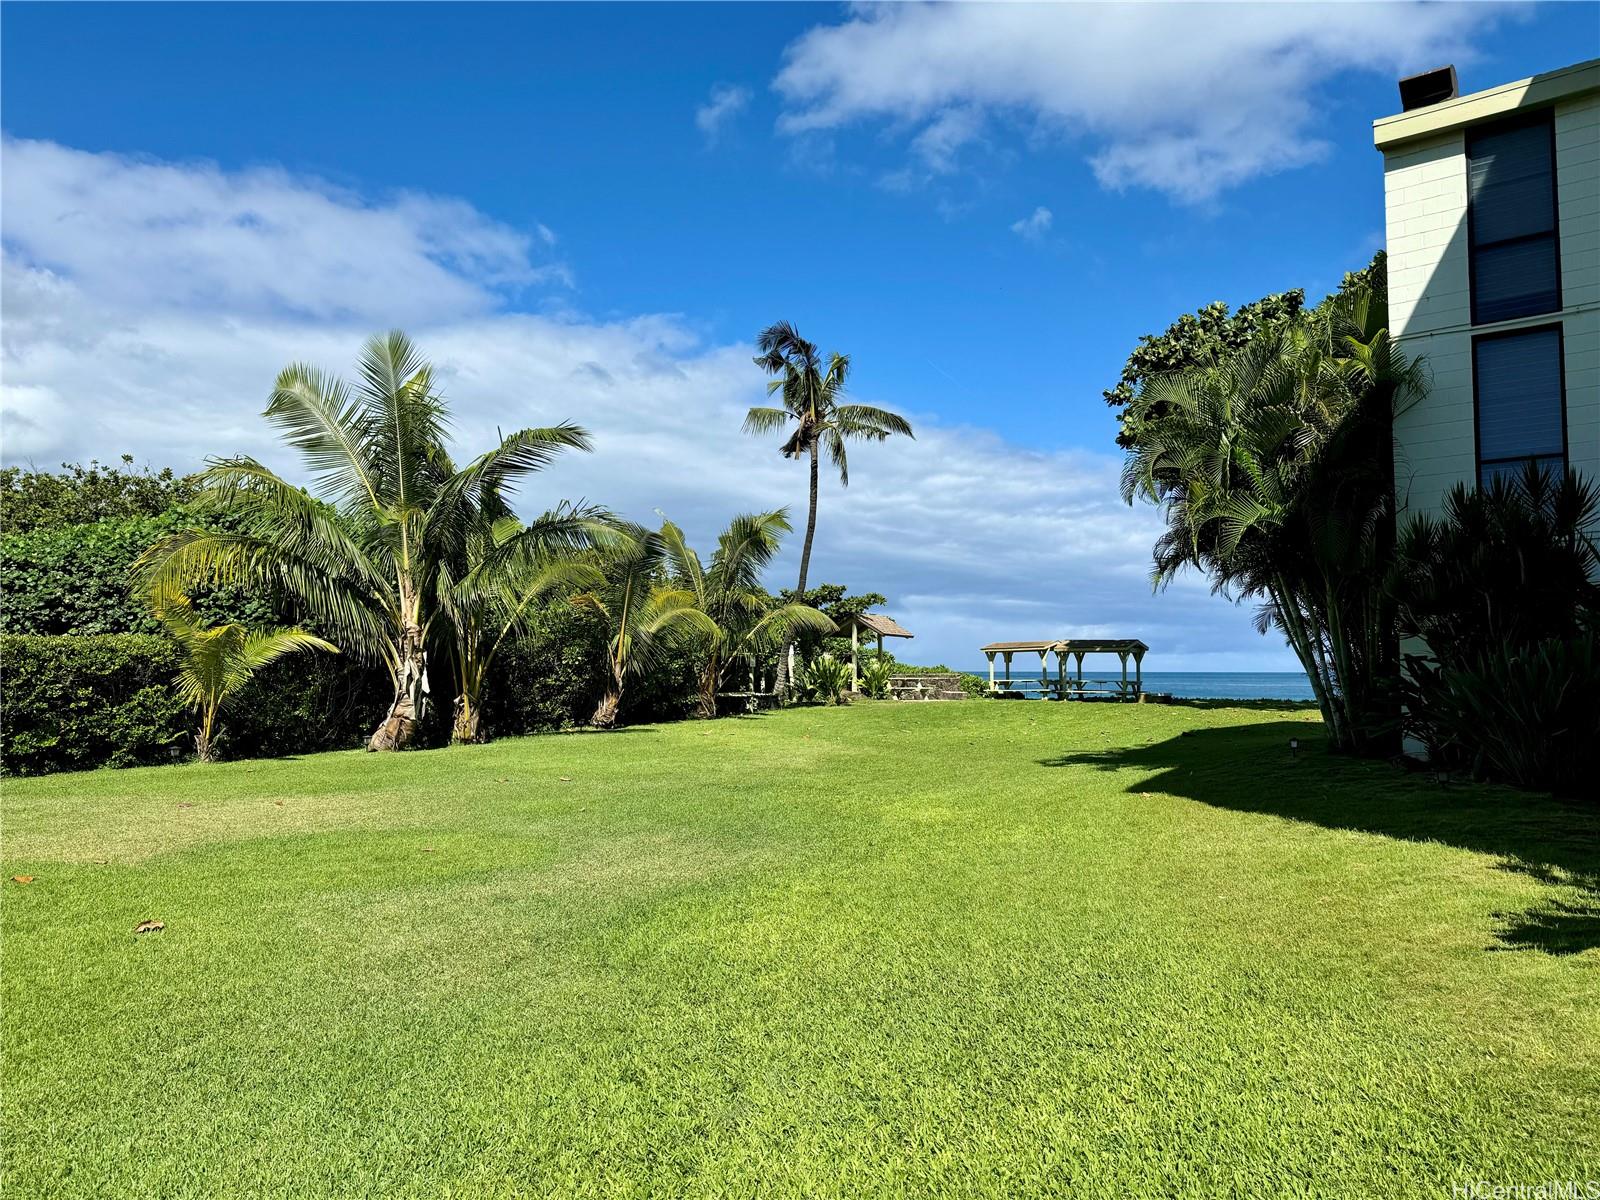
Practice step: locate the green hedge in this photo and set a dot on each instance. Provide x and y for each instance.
(78, 702)
(78, 579)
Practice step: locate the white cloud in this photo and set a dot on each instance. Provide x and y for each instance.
(726, 102)
(139, 233)
(1035, 225)
(1189, 99)
(972, 538)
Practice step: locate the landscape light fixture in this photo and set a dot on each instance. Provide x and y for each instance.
(1294, 747)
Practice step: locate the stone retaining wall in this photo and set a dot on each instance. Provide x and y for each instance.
(926, 687)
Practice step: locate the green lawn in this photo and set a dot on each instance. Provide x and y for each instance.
(976, 949)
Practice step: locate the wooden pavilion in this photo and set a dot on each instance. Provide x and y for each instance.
(872, 624)
(1063, 686)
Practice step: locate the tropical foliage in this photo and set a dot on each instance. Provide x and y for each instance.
(81, 495)
(875, 675)
(1498, 600)
(1273, 470)
(90, 700)
(644, 616)
(744, 625)
(218, 661)
(371, 558)
(824, 680)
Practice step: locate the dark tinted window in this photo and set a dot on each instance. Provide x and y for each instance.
(1518, 378)
(1511, 194)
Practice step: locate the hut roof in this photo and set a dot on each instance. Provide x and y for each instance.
(1071, 646)
(877, 623)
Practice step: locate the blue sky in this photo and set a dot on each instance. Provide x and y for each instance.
(588, 212)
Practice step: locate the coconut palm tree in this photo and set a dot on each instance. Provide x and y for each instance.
(644, 615)
(813, 415)
(219, 660)
(746, 623)
(364, 560)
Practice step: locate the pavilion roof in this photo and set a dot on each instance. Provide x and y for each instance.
(1100, 645)
(877, 623)
(1070, 646)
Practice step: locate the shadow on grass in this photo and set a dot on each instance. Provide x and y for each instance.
(1250, 768)
(1262, 705)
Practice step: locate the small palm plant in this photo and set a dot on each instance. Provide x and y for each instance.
(508, 571)
(220, 659)
(643, 615)
(748, 623)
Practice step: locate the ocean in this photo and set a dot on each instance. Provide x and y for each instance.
(1207, 685)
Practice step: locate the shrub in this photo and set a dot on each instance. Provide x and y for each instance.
(1528, 715)
(79, 579)
(79, 495)
(823, 680)
(547, 679)
(304, 705)
(875, 679)
(76, 702)
(1502, 590)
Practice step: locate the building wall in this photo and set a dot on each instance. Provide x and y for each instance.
(1425, 193)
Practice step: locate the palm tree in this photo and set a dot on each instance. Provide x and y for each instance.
(643, 615)
(509, 570)
(1274, 470)
(366, 563)
(221, 659)
(746, 623)
(811, 402)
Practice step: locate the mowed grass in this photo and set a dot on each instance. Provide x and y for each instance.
(977, 949)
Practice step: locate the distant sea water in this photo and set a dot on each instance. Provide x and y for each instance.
(1207, 685)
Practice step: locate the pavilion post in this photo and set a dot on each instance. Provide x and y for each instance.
(855, 645)
(1122, 657)
(990, 655)
(880, 647)
(1044, 671)
(1007, 655)
(1138, 671)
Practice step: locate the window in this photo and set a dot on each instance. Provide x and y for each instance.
(1511, 207)
(1521, 412)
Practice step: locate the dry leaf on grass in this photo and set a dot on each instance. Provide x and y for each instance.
(427, 849)
(185, 804)
(149, 926)
(279, 803)
(22, 879)
(566, 779)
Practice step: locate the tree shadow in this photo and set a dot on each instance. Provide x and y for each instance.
(1251, 768)
(1260, 705)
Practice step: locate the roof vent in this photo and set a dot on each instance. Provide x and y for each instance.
(1430, 87)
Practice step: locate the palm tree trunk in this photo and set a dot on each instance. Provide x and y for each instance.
(399, 726)
(811, 528)
(465, 729)
(605, 713)
(781, 684)
(202, 740)
(708, 688)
